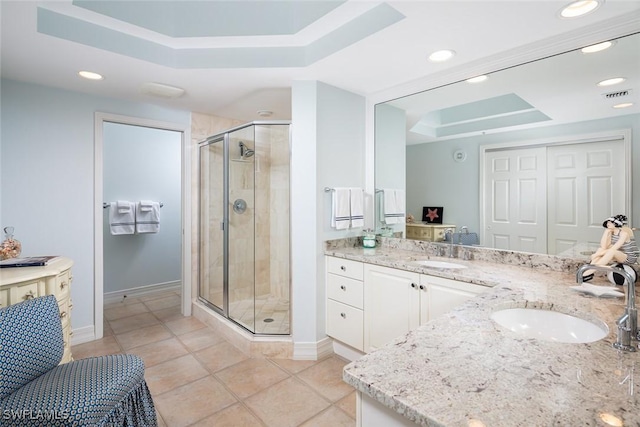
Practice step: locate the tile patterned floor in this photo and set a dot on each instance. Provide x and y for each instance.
(197, 378)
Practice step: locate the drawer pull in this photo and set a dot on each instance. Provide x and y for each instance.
(343, 315)
(343, 287)
(343, 268)
(63, 285)
(29, 295)
(63, 314)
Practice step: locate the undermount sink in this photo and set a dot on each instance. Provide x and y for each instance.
(550, 325)
(439, 264)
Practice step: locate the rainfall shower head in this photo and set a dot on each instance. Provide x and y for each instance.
(245, 151)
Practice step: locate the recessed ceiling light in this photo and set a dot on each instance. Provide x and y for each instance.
(441, 55)
(610, 82)
(623, 105)
(477, 79)
(90, 75)
(597, 47)
(579, 8)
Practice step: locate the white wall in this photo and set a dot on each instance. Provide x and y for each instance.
(327, 151)
(142, 163)
(47, 174)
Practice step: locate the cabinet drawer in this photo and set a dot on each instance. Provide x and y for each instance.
(60, 286)
(345, 267)
(24, 291)
(345, 290)
(346, 324)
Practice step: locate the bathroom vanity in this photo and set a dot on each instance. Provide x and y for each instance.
(461, 368)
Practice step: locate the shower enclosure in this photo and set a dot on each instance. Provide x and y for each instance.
(244, 256)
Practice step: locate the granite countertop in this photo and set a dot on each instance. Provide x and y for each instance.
(463, 368)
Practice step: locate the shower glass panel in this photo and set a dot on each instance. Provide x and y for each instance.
(244, 218)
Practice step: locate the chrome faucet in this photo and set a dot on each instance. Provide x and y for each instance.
(628, 323)
(449, 233)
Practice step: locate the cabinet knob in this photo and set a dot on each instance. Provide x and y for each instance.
(413, 285)
(63, 285)
(63, 314)
(422, 288)
(29, 295)
(343, 315)
(343, 268)
(343, 287)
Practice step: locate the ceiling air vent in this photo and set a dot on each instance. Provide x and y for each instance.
(617, 94)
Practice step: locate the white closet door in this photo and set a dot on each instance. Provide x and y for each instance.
(515, 200)
(586, 184)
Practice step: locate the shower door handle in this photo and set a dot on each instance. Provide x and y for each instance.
(239, 206)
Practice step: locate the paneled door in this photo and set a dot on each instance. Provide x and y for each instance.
(587, 184)
(515, 196)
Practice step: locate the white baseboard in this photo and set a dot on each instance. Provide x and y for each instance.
(346, 352)
(313, 350)
(83, 335)
(117, 296)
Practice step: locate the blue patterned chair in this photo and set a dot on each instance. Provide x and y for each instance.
(35, 390)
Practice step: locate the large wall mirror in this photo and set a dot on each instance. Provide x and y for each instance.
(531, 159)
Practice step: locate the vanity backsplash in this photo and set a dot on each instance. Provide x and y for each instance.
(522, 259)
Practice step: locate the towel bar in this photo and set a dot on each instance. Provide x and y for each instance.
(105, 205)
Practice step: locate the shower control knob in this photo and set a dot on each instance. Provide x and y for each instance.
(239, 206)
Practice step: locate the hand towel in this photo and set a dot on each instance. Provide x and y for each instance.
(148, 221)
(122, 222)
(124, 206)
(146, 205)
(340, 208)
(357, 207)
(394, 206)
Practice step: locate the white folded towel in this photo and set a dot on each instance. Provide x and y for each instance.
(394, 201)
(124, 206)
(148, 221)
(146, 205)
(122, 222)
(340, 208)
(357, 207)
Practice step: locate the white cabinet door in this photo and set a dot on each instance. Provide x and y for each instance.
(391, 304)
(446, 294)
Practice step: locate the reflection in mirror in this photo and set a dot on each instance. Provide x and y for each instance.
(532, 159)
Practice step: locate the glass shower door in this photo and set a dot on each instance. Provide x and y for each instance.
(212, 203)
(242, 213)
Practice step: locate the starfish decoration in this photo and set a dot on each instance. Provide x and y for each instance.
(432, 214)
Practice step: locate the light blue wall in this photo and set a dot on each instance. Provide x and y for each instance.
(47, 174)
(435, 179)
(142, 163)
(327, 151)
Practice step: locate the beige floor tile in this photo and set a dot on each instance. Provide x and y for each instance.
(250, 376)
(348, 404)
(161, 422)
(169, 314)
(200, 339)
(164, 302)
(233, 416)
(173, 373)
(333, 417)
(131, 323)
(158, 295)
(286, 404)
(122, 301)
(106, 329)
(187, 404)
(143, 336)
(294, 366)
(220, 356)
(101, 347)
(124, 310)
(160, 351)
(326, 378)
(184, 325)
